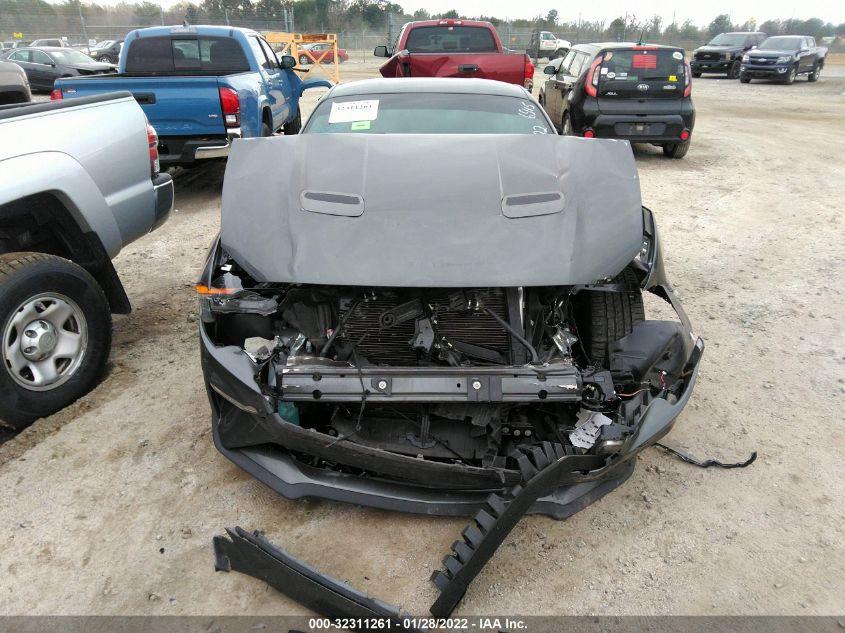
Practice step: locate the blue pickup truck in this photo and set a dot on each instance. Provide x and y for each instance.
(202, 87)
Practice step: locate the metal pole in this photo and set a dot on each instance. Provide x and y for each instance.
(226, 14)
(82, 20)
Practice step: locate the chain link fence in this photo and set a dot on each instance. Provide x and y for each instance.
(70, 21)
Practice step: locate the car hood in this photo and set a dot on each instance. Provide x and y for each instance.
(717, 49)
(431, 210)
(759, 53)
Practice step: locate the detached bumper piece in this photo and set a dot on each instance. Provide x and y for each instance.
(255, 556)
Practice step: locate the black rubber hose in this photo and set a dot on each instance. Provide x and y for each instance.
(325, 349)
(517, 335)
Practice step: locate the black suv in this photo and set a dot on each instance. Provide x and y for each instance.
(724, 53)
(622, 90)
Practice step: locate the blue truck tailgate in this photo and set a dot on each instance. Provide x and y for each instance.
(176, 106)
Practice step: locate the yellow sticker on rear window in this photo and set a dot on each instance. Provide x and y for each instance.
(673, 78)
(359, 125)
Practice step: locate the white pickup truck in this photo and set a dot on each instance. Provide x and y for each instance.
(547, 44)
(80, 180)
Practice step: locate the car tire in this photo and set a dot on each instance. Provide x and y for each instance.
(744, 78)
(266, 130)
(791, 75)
(696, 74)
(734, 71)
(32, 284)
(303, 60)
(604, 317)
(814, 74)
(293, 127)
(676, 150)
(106, 59)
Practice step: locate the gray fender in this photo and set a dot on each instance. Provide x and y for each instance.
(61, 175)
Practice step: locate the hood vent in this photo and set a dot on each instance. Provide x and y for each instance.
(527, 205)
(332, 203)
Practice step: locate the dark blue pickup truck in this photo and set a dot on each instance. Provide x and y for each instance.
(201, 87)
(783, 58)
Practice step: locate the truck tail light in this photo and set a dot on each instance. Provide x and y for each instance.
(591, 83)
(589, 133)
(152, 141)
(231, 106)
(687, 80)
(56, 95)
(684, 135)
(528, 78)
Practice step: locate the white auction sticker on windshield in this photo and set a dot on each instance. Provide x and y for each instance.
(354, 111)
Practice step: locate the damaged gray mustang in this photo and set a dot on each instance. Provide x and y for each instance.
(413, 317)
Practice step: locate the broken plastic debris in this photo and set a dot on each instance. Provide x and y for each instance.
(587, 428)
(259, 349)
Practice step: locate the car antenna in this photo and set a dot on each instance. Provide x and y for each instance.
(640, 38)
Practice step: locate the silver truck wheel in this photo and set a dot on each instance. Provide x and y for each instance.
(44, 341)
(56, 327)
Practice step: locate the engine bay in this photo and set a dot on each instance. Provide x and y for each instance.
(456, 375)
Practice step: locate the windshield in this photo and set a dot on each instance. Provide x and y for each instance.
(653, 73)
(448, 39)
(428, 113)
(103, 44)
(70, 56)
(781, 44)
(728, 39)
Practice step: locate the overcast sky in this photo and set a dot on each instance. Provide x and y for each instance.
(700, 12)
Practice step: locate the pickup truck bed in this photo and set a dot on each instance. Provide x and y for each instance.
(201, 87)
(455, 48)
(80, 180)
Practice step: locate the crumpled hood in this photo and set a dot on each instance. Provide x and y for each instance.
(431, 210)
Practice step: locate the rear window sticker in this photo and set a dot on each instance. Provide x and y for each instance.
(354, 111)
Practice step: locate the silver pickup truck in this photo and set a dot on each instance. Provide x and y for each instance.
(79, 179)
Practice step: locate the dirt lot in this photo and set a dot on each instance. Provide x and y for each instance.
(109, 506)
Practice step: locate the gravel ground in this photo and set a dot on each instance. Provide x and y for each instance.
(110, 505)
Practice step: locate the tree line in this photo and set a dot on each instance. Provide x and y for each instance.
(38, 17)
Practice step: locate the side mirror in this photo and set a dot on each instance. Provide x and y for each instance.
(549, 70)
(381, 51)
(288, 61)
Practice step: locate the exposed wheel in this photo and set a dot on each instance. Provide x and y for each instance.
(745, 78)
(604, 317)
(676, 150)
(791, 75)
(814, 74)
(293, 127)
(734, 70)
(56, 328)
(696, 74)
(266, 130)
(107, 59)
(303, 60)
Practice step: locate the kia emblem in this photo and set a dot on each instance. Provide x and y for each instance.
(642, 87)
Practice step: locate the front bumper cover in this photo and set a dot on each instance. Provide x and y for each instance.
(250, 433)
